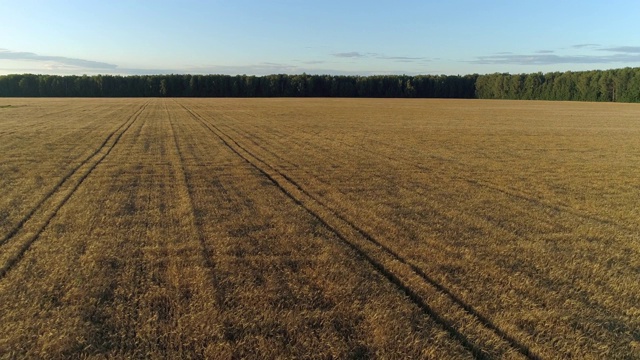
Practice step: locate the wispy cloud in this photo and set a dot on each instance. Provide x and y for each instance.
(624, 49)
(55, 61)
(549, 59)
(352, 54)
(581, 46)
(261, 69)
(20, 62)
(357, 54)
(402, 58)
(618, 54)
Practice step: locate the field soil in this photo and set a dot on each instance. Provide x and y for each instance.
(319, 228)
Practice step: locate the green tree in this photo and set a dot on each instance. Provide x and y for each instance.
(164, 87)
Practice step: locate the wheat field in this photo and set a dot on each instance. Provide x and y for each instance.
(319, 228)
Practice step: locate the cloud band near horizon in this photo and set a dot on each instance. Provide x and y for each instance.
(62, 60)
(621, 54)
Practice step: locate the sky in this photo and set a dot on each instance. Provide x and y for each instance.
(260, 37)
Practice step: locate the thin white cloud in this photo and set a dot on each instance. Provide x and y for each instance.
(352, 54)
(620, 54)
(624, 49)
(313, 62)
(21, 62)
(581, 46)
(402, 58)
(262, 69)
(549, 59)
(55, 61)
(357, 55)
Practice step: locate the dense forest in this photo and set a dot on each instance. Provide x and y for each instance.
(238, 86)
(599, 85)
(621, 85)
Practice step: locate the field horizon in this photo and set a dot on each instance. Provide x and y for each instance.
(319, 228)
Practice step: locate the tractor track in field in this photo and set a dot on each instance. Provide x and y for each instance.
(510, 193)
(517, 195)
(73, 179)
(57, 186)
(533, 276)
(7, 133)
(513, 194)
(184, 183)
(408, 278)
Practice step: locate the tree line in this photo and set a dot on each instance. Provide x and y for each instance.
(621, 85)
(424, 86)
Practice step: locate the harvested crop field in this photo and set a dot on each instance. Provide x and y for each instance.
(319, 228)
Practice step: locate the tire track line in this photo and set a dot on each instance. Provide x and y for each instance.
(59, 184)
(7, 133)
(90, 163)
(533, 200)
(187, 194)
(513, 194)
(468, 308)
(392, 266)
(557, 290)
(246, 136)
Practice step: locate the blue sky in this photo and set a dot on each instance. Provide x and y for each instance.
(317, 37)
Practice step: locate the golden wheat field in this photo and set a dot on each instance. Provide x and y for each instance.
(319, 228)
